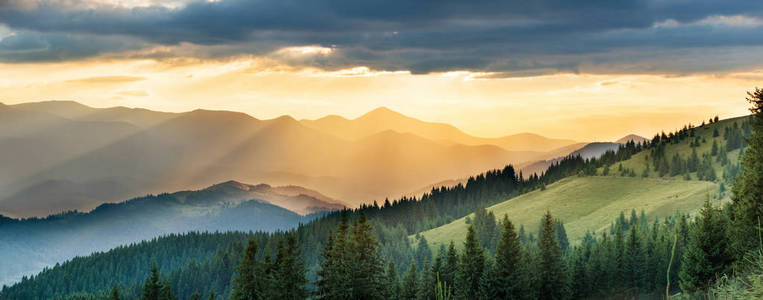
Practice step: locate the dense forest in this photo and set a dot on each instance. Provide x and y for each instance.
(366, 253)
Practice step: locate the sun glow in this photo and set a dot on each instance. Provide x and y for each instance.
(585, 107)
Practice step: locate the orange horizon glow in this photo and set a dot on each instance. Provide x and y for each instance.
(583, 107)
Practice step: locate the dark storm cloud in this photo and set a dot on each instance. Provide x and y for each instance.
(511, 37)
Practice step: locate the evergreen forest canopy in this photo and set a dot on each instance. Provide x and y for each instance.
(366, 253)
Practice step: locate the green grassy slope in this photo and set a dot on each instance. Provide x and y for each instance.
(591, 203)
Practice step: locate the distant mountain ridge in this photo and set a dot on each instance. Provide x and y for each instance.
(63, 155)
(294, 198)
(30, 244)
(383, 119)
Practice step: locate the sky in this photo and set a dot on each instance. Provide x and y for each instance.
(590, 70)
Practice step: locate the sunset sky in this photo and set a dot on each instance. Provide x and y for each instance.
(586, 70)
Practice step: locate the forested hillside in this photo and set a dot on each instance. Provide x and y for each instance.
(676, 172)
(28, 245)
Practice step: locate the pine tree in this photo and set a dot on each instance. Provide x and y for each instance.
(561, 235)
(289, 271)
(248, 280)
(508, 255)
(552, 273)
(635, 260)
(423, 253)
(115, 294)
(165, 291)
(196, 295)
(450, 269)
(212, 295)
(706, 254)
(471, 267)
(619, 256)
(153, 286)
(426, 282)
(366, 265)
(747, 197)
(393, 283)
(335, 275)
(409, 283)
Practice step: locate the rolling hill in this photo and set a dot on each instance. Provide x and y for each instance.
(591, 202)
(29, 245)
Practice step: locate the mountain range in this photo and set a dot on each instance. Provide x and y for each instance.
(62, 155)
(29, 245)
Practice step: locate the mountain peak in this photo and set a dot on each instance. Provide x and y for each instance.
(631, 137)
(230, 184)
(381, 113)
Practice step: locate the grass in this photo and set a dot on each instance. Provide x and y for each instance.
(589, 203)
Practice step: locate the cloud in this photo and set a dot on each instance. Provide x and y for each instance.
(512, 38)
(107, 79)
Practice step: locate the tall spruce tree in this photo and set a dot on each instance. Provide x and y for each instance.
(635, 261)
(508, 255)
(707, 253)
(153, 285)
(552, 274)
(289, 276)
(426, 283)
(249, 277)
(450, 268)
(367, 267)
(393, 282)
(747, 197)
(409, 283)
(471, 267)
(335, 274)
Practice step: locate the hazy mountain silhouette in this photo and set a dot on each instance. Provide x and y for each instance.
(590, 150)
(382, 119)
(63, 155)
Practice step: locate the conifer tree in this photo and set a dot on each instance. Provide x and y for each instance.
(165, 292)
(212, 295)
(747, 197)
(426, 282)
(634, 260)
(450, 269)
(152, 287)
(248, 281)
(289, 281)
(706, 254)
(471, 267)
(423, 253)
(551, 269)
(115, 294)
(561, 235)
(366, 266)
(508, 255)
(409, 283)
(196, 295)
(393, 283)
(335, 274)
